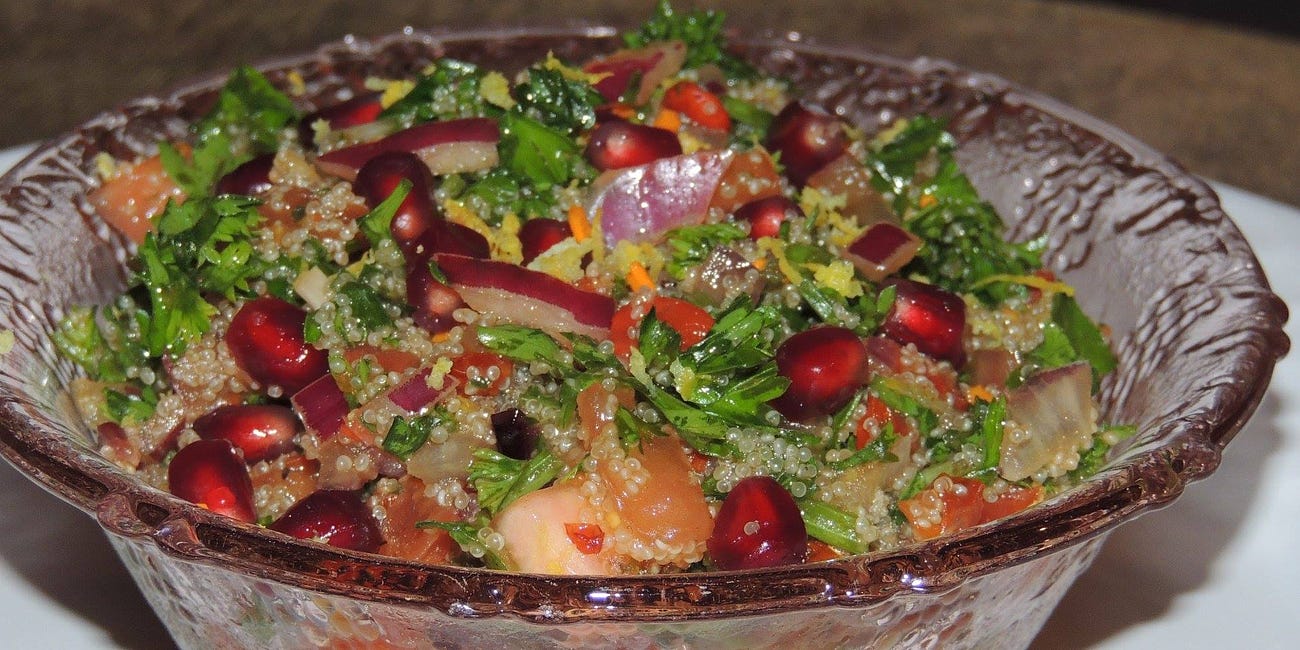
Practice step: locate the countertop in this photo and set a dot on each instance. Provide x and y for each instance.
(1224, 101)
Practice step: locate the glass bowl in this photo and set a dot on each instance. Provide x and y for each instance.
(1148, 247)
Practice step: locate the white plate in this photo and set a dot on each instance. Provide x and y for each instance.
(1217, 570)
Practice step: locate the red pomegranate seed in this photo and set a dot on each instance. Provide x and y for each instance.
(434, 302)
(261, 431)
(361, 109)
(758, 525)
(928, 317)
(266, 340)
(381, 175)
(538, 235)
(336, 517)
(248, 179)
(210, 473)
(617, 144)
(517, 434)
(825, 366)
(807, 138)
(765, 216)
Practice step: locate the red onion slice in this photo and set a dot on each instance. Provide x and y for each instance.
(882, 249)
(473, 137)
(322, 407)
(642, 203)
(527, 297)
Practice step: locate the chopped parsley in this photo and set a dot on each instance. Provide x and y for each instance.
(500, 480)
(568, 105)
(450, 90)
(700, 30)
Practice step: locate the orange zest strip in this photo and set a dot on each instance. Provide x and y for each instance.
(638, 278)
(981, 393)
(668, 119)
(578, 223)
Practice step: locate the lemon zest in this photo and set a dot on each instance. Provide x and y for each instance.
(1042, 284)
(495, 89)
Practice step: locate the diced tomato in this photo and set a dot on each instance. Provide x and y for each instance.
(703, 107)
(960, 506)
(819, 551)
(690, 322)
(405, 509)
(587, 538)
(392, 360)
(1011, 502)
(484, 363)
(699, 462)
(879, 414)
(130, 200)
(751, 176)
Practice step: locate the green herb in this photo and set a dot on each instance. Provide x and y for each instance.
(750, 123)
(690, 245)
(1092, 460)
(500, 479)
(248, 118)
(961, 234)
(127, 409)
(558, 102)
(829, 524)
(702, 33)
(106, 341)
(736, 341)
(377, 224)
(370, 309)
(658, 342)
(1084, 336)
(988, 420)
(466, 534)
(924, 478)
(875, 451)
(449, 91)
(522, 344)
(888, 391)
(537, 153)
(406, 436)
(503, 193)
(632, 430)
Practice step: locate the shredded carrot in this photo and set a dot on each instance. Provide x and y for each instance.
(638, 278)
(578, 223)
(623, 111)
(668, 119)
(760, 263)
(926, 201)
(981, 393)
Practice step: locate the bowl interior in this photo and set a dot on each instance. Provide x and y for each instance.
(1147, 246)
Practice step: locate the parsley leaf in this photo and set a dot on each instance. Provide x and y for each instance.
(568, 105)
(126, 408)
(405, 437)
(829, 524)
(247, 119)
(702, 33)
(876, 451)
(377, 224)
(690, 245)
(465, 534)
(105, 341)
(500, 479)
(1084, 335)
(537, 153)
(961, 234)
(449, 91)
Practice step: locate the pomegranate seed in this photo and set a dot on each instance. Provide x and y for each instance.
(380, 176)
(248, 179)
(434, 302)
(261, 431)
(266, 340)
(517, 434)
(825, 366)
(758, 525)
(538, 235)
(615, 145)
(362, 109)
(928, 317)
(765, 216)
(210, 473)
(807, 138)
(335, 517)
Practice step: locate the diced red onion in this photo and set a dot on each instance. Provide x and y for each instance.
(527, 297)
(882, 249)
(322, 406)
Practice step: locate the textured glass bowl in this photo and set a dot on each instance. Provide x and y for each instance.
(1151, 252)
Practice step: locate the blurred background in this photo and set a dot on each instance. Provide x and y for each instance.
(1216, 85)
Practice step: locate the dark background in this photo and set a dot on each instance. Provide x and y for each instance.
(1216, 86)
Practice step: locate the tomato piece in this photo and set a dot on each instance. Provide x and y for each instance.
(948, 505)
(490, 372)
(819, 551)
(751, 176)
(690, 322)
(130, 200)
(1011, 502)
(703, 107)
(587, 538)
(879, 414)
(392, 360)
